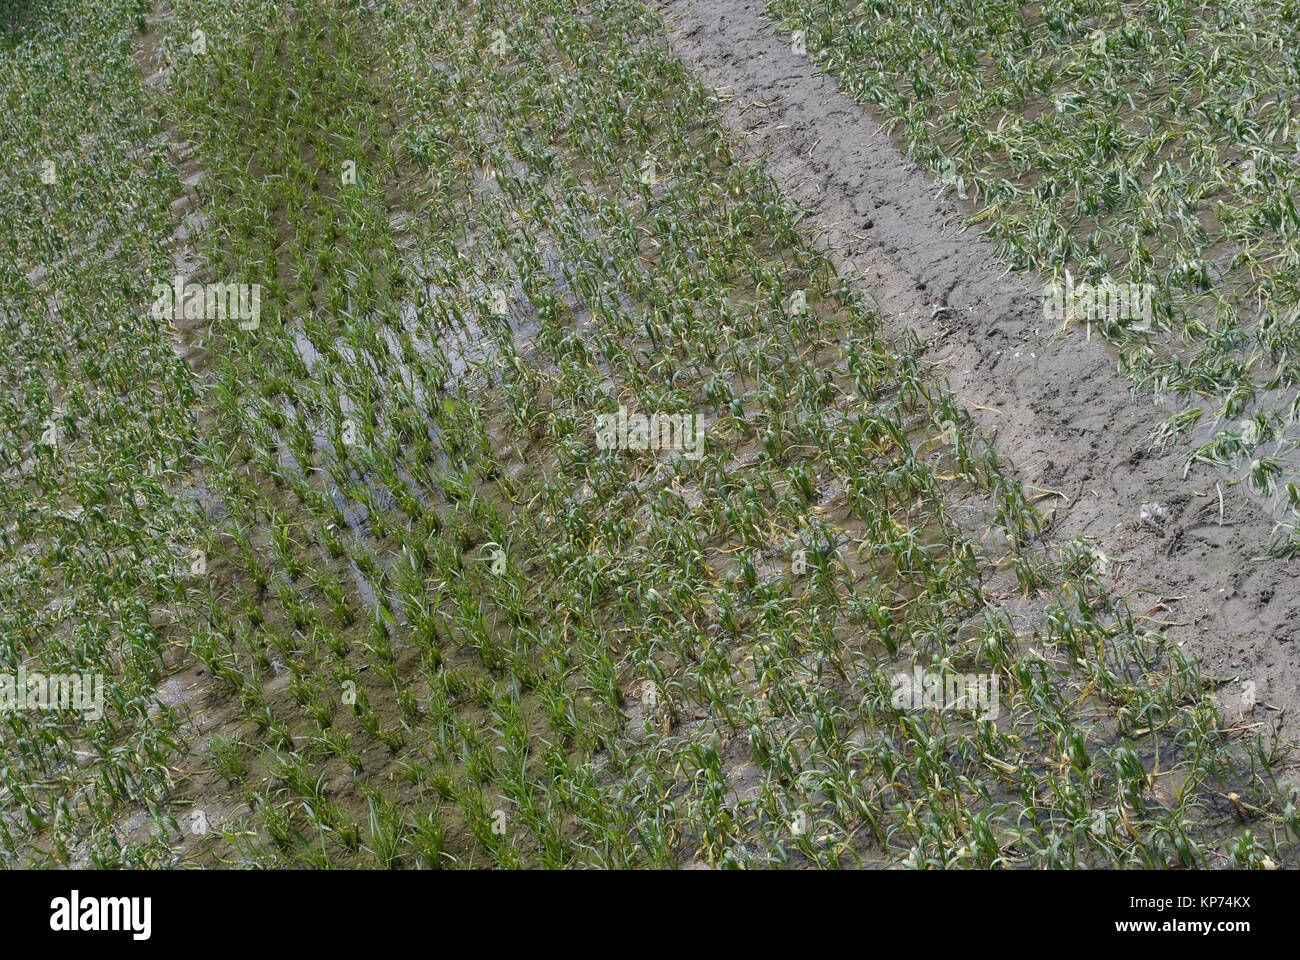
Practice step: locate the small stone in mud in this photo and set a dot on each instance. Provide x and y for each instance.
(1152, 514)
(869, 224)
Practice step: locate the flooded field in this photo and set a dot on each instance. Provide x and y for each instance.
(626, 461)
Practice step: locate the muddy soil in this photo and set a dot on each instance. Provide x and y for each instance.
(1051, 403)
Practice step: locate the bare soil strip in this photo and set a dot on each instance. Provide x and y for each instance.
(1050, 402)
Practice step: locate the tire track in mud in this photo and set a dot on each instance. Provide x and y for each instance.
(1051, 403)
